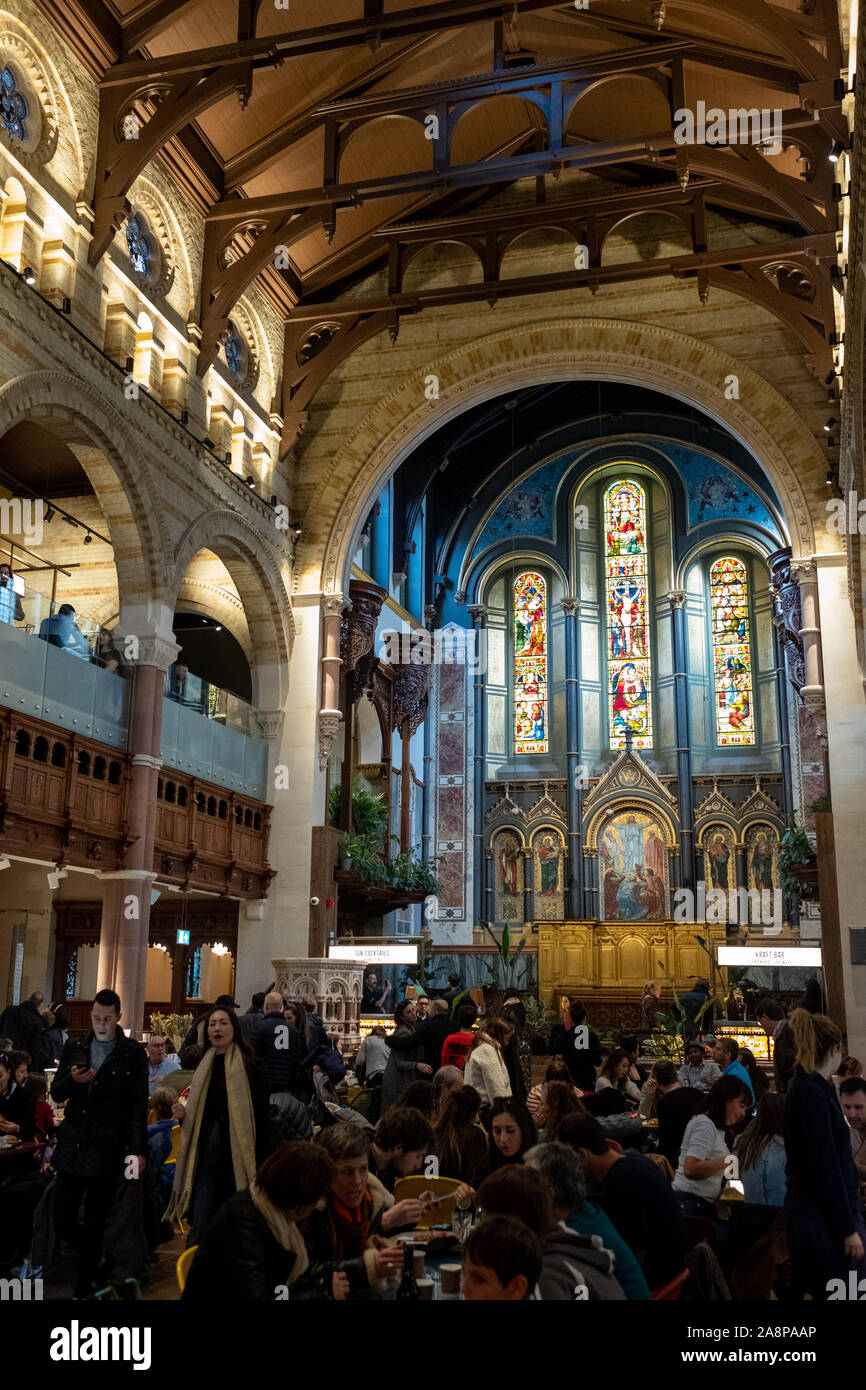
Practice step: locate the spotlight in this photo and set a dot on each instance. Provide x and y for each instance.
(272, 501)
(28, 275)
(49, 514)
(830, 377)
(218, 627)
(296, 530)
(129, 364)
(53, 882)
(88, 539)
(184, 416)
(227, 458)
(830, 423)
(66, 305)
(837, 152)
(250, 481)
(829, 479)
(208, 443)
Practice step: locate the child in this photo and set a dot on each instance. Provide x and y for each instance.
(501, 1261)
(43, 1119)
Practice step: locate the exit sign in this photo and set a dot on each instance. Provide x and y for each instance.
(183, 938)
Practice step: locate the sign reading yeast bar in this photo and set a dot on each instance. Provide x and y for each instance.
(806, 956)
(377, 954)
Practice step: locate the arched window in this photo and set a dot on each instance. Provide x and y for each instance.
(626, 585)
(22, 743)
(530, 663)
(138, 246)
(13, 106)
(732, 657)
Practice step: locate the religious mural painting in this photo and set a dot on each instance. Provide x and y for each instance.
(631, 868)
(507, 877)
(626, 580)
(735, 716)
(720, 863)
(530, 664)
(762, 857)
(548, 866)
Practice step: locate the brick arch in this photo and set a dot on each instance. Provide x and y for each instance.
(257, 574)
(644, 354)
(97, 434)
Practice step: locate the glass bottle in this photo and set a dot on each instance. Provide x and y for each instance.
(408, 1286)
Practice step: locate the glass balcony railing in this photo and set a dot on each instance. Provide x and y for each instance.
(58, 679)
(206, 731)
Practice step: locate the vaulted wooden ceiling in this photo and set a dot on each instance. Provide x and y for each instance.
(303, 135)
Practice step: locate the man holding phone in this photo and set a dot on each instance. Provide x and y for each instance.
(103, 1137)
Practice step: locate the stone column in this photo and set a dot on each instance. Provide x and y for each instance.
(126, 891)
(478, 614)
(845, 728)
(677, 599)
(330, 715)
(574, 788)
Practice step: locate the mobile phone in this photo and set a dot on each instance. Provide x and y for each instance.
(78, 1056)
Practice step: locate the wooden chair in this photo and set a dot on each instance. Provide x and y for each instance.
(183, 1265)
(444, 1191)
(670, 1293)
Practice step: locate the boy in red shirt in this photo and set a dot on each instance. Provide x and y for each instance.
(456, 1046)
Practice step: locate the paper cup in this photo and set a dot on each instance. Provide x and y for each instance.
(425, 1289)
(418, 1254)
(450, 1279)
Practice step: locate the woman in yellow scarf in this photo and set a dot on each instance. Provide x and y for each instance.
(226, 1128)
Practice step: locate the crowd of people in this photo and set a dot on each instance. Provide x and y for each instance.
(610, 1179)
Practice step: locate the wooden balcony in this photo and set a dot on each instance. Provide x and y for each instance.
(63, 800)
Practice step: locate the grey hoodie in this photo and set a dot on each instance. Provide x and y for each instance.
(576, 1268)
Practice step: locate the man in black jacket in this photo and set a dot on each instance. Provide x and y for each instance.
(577, 1044)
(23, 1024)
(103, 1137)
(278, 1047)
(771, 1017)
(430, 1035)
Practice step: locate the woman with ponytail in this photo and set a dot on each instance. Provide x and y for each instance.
(825, 1224)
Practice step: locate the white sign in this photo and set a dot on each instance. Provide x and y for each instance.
(805, 956)
(376, 954)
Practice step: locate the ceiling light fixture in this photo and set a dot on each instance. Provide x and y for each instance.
(28, 275)
(830, 423)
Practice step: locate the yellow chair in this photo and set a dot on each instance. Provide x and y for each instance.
(183, 1263)
(444, 1192)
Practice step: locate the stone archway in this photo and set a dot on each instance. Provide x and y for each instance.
(644, 354)
(98, 436)
(257, 573)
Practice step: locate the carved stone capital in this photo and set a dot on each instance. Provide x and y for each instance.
(677, 598)
(411, 683)
(329, 723)
(270, 721)
(333, 604)
(478, 613)
(804, 571)
(156, 651)
(429, 614)
(570, 607)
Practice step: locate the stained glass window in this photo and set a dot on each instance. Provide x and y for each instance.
(71, 975)
(530, 664)
(193, 974)
(729, 601)
(233, 350)
(626, 587)
(138, 246)
(13, 107)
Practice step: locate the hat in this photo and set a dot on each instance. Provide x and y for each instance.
(225, 1001)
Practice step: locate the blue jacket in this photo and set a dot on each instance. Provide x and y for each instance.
(62, 631)
(590, 1220)
(737, 1069)
(764, 1183)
